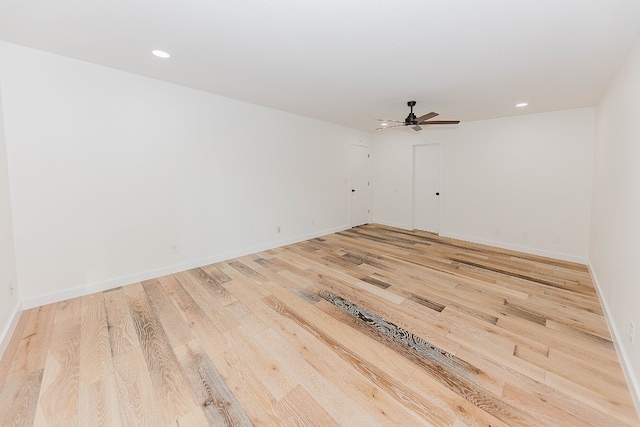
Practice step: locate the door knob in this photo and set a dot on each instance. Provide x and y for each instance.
(353, 191)
(437, 194)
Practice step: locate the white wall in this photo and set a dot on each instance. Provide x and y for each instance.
(109, 170)
(528, 173)
(615, 227)
(8, 300)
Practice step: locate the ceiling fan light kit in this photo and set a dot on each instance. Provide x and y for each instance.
(416, 123)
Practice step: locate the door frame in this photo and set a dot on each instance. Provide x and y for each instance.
(441, 183)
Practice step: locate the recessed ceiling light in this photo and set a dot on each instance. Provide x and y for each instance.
(161, 54)
(384, 124)
(522, 104)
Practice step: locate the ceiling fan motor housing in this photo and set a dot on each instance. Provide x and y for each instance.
(411, 118)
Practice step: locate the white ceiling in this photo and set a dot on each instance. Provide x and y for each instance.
(350, 61)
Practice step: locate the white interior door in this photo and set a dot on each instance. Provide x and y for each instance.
(426, 187)
(360, 201)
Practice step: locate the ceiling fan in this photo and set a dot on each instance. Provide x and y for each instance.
(417, 122)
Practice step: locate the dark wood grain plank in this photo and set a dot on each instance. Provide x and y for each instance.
(218, 403)
(249, 272)
(170, 388)
(406, 396)
(212, 284)
(441, 365)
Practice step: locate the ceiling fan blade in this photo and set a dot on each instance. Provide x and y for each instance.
(390, 127)
(394, 121)
(416, 122)
(441, 122)
(426, 117)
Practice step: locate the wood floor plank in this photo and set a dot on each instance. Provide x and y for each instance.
(619, 408)
(210, 303)
(122, 331)
(559, 339)
(19, 399)
(31, 354)
(537, 392)
(426, 323)
(203, 328)
(219, 405)
(348, 396)
(449, 402)
(212, 284)
(317, 369)
(177, 330)
(461, 376)
(298, 408)
(171, 390)
(372, 326)
(241, 379)
(135, 390)
(62, 371)
(383, 381)
(98, 403)
(271, 373)
(195, 418)
(69, 310)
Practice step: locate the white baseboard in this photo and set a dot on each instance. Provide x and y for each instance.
(633, 381)
(512, 247)
(90, 288)
(9, 328)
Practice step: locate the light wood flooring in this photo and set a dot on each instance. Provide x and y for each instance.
(369, 326)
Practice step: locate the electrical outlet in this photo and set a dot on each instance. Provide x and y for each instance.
(279, 229)
(632, 332)
(313, 223)
(496, 231)
(175, 248)
(524, 235)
